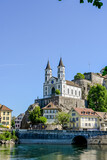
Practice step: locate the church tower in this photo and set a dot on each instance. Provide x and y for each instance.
(48, 72)
(61, 70)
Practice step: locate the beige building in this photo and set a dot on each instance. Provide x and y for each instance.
(50, 112)
(5, 116)
(84, 119)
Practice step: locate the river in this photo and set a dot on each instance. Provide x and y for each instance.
(52, 152)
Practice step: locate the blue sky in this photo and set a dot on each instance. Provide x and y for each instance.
(33, 31)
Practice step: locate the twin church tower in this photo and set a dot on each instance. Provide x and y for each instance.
(66, 88)
(60, 73)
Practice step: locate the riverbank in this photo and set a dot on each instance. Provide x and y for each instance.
(8, 137)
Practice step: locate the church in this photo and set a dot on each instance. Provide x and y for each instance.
(67, 88)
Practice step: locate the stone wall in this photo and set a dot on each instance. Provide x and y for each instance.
(61, 136)
(64, 103)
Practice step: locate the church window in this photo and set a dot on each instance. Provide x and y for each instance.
(45, 93)
(45, 78)
(68, 91)
(58, 75)
(58, 69)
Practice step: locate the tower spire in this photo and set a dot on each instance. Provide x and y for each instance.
(48, 65)
(60, 63)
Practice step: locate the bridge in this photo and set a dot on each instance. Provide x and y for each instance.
(62, 137)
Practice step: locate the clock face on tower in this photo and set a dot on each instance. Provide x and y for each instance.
(52, 82)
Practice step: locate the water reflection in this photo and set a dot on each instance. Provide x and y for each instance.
(52, 152)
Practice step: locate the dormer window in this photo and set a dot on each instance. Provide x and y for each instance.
(83, 112)
(87, 112)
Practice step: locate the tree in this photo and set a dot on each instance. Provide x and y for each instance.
(57, 91)
(79, 76)
(105, 71)
(97, 98)
(35, 116)
(96, 3)
(13, 122)
(62, 118)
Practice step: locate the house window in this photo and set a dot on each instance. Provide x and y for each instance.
(82, 118)
(7, 113)
(95, 124)
(48, 117)
(58, 86)
(46, 88)
(7, 123)
(3, 113)
(77, 125)
(82, 124)
(95, 119)
(73, 114)
(75, 92)
(77, 119)
(72, 91)
(3, 118)
(89, 119)
(85, 124)
(79, 93)
(73, 119)
(48, 111)
(45, 93)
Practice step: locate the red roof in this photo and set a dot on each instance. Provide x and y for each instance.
(4, 108)
(50, 106)
(85, 111)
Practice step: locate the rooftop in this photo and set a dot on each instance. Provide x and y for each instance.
(4, 108)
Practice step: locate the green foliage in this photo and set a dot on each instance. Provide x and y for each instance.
(35, 116)
(13, 123)
(57, 91)
(105, 71)
(6, 135)
(97, 98)
(43, 119)
(79, 76)
(96, 3)
(62, 118)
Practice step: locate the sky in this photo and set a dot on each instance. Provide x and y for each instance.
(35, 31)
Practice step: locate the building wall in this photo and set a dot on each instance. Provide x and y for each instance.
(6, 118)
(50, 115)
(18, 121)
(83, 121)
(65, 90)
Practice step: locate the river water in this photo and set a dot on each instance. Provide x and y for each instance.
(52, 152)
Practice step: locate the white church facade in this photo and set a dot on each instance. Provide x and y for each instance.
(66, 88)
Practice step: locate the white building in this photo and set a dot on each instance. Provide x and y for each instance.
(18, 121)
(66, 88)
(50, 112)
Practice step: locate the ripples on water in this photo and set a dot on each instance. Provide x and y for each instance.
(52, 152)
